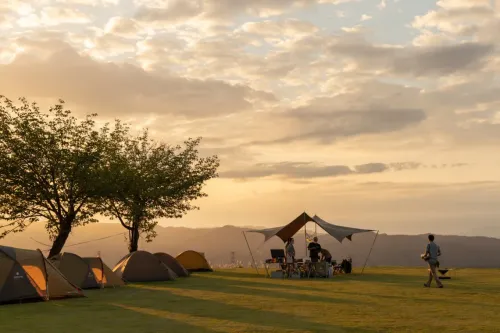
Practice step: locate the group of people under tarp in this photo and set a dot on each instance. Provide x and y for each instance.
(316, 254)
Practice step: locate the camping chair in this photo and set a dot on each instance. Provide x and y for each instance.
(337, 268)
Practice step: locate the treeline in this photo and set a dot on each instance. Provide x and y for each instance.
(64, 171)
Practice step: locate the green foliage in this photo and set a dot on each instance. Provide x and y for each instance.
(49, 167)
(146, 181)
(56, 168)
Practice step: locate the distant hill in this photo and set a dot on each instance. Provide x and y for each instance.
(218, 243)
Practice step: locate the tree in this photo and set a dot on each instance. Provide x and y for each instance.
(147, 181)
(49, 168)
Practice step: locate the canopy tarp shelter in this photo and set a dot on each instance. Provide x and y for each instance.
(336, 231)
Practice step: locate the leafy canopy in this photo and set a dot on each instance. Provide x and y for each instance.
(49, 167)
(147, 180)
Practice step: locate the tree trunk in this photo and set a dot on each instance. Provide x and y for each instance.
(133, 239)
(62, 237)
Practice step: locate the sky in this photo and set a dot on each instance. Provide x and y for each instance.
(380, 114)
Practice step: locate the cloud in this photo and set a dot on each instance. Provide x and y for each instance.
(415, 61)
(369, 108)
(444, 60)
(455, 20)
(305, 170)
(365, 17)
(29, 16)
(327, 126)
(221, 11)
(288, 27)
(382, 4)
(93, 3)
(57, 71)
(59, 15)
(172, 11)
(122, 26)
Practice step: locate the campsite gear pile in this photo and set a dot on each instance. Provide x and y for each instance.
(305, 268)
(26, 275)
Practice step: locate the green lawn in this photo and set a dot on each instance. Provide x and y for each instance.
(381, 300)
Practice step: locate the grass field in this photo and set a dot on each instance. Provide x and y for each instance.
(381, 300)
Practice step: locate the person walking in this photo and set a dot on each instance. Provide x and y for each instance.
(432, 252)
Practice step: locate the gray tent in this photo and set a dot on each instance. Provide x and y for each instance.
(336, 231)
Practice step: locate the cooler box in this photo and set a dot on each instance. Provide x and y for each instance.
(277, 275)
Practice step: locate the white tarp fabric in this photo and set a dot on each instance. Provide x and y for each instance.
(336, 231)
(268, 233)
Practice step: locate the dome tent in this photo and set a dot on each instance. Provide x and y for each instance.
(104, 275)
(142, 266)
(28, 275)
(194, 261)
(76, 270)
(173, 264)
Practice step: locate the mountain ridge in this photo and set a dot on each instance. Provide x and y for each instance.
(109, 239)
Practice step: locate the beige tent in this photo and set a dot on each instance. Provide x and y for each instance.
(142, 266)
(28, 275)
(76, 270)
(104, 275)
(173, 264)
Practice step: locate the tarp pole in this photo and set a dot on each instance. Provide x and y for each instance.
(369, 253)
(305, 233)
(251, 254)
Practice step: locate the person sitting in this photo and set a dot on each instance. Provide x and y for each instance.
(326, 256)
(290, 256)
(314, 250)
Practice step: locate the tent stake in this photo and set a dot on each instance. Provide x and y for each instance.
(251, 254)
(369, 253)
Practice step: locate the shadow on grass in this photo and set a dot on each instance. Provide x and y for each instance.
(233, 273)
(282, 289)
(282, 292)
(390, 277)
(224, 280)
(82, 316)
(217, 312)
(288, 289)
